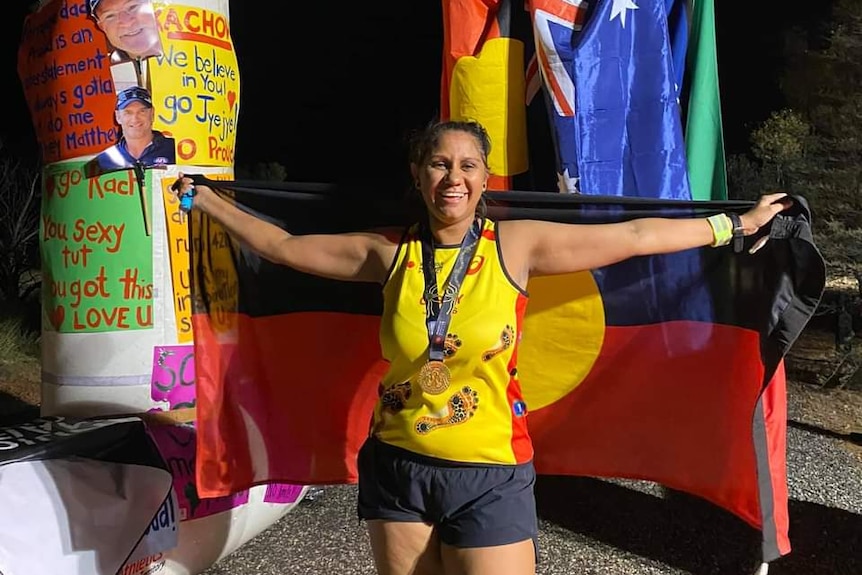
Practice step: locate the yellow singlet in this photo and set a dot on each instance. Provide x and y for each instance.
(481, 417)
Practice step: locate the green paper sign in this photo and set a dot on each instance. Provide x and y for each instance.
(97, 251)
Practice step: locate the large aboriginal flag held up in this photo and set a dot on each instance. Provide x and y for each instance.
(624, 371)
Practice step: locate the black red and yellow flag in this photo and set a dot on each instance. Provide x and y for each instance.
(636, 370)
(483, 79)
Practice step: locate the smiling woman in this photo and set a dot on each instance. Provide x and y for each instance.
(451, 172)
(446, 471)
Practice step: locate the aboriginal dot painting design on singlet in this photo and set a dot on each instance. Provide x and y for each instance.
(480, 418)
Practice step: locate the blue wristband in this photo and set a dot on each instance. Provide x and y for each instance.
(187, 199)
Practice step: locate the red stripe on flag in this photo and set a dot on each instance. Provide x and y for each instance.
(322, 367)
(466, 28)
(775, 416)
(521, 447)
(569, 12)
(556, 89)
(292, 400)
(499, 182)
(684, 421)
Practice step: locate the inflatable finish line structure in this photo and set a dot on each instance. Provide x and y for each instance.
(117, 117)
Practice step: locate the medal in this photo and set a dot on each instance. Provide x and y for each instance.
(434, 377)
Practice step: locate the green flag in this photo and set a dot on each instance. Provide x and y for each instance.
(704, 140)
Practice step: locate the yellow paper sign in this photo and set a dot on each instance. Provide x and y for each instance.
(211, 238)
(178, 251)
(196, 85)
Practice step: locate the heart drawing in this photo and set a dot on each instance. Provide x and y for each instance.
(57, 316)
(231, 99)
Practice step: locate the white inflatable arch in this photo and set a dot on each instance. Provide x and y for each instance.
(117, 336)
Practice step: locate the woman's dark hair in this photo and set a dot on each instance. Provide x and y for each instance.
(424, 142)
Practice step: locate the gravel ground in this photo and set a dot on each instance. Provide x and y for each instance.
(611, 527)
(606, 527)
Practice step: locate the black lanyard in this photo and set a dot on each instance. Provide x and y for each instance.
(438, 310)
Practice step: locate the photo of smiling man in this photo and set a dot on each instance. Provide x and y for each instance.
(130, 26)
(138, 144)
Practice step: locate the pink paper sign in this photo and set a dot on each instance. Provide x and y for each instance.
(173, 379)
(176, 443)
(282, 493)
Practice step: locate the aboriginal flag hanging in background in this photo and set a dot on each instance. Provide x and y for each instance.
(622, 374)
(483, 79)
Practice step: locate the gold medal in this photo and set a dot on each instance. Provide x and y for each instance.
(434, 377)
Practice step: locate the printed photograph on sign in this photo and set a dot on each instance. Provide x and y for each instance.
(129, 26)
(138, 145)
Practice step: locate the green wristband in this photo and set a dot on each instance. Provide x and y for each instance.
(722, 230)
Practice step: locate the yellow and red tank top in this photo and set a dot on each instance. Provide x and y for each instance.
(481, 417)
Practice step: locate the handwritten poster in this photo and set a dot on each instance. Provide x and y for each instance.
(96, 254)
(64, 66)
(173, 379)
(216, 248)
(178, 253)
(282, 493)
(176, 443)
(196, 84)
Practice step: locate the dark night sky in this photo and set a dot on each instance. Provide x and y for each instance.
(325, 92)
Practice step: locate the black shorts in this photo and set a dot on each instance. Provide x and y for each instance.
(471, 505)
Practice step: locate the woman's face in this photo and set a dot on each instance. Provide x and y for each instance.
(453, 177)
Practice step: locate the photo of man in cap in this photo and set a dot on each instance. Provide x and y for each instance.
(139, 145)
(130, 26)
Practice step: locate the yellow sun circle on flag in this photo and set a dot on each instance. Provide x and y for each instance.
(564, 329)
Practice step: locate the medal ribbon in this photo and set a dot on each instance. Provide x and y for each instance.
(438, 309)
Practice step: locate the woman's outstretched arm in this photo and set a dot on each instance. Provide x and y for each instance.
(360, 256)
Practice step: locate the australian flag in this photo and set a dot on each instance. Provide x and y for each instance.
(613, 96)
